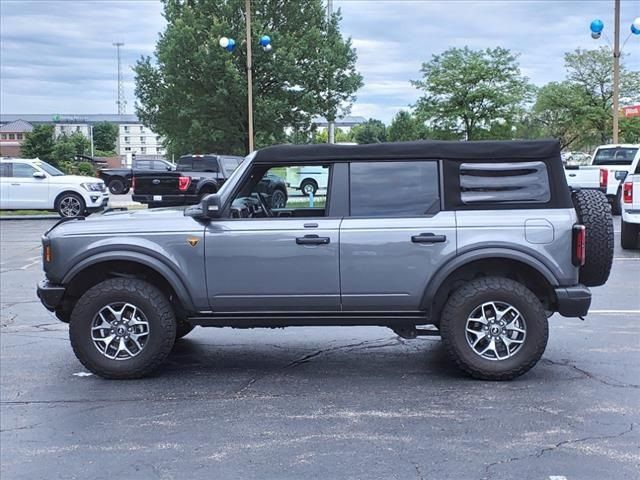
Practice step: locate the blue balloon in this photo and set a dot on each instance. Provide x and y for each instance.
(597, 26)
(634, 30)
(265, 40)
(231, 45)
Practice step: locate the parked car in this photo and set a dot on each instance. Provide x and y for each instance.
(31, 184)
(486, 265)
(118, 180)
(586, 178)
(630, 208)
(308, 179)
(612, 163)
(195, 177)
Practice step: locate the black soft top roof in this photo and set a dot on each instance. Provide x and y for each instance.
(513, 150)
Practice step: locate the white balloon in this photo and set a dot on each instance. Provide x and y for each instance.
(636, 23)
(267, 48)
(224, 41)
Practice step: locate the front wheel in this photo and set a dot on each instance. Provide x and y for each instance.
(70, 205)
(122, 328)
(494, 328)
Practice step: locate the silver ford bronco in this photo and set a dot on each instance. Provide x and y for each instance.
(477, 242)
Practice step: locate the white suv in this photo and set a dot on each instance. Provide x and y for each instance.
(630, 207)
(36, 185)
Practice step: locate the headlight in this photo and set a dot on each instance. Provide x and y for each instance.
(93, 187)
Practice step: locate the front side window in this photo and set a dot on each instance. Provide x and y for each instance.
(5, 169)
(272, 192)
(382, 189)
(22, 170)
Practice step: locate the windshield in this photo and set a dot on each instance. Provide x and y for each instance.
(615, 156)
(227, 186)
(50, 169)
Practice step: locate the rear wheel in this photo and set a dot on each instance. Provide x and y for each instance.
(70, 205)
(117, 186)
(494, 328)
(594, 213)
(122, 328)
(629, 235)
(615, 205)
(309, 187)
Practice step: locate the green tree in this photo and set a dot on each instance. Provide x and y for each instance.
(630, 130)
(406, 127)
(322, 136)
(371, 131)
(68, 146)
(39, 143)
(467, 91)
(194, 93)
(105, 135)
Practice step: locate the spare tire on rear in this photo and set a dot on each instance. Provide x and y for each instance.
(594, 212)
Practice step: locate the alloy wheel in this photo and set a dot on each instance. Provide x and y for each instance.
(496, 330)
(120, 331)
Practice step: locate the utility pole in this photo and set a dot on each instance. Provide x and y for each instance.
(616, 70)
(331, 126)
(121, 102)
(249, 74)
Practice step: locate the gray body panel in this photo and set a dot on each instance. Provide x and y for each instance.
(382, 269)
(256, 264)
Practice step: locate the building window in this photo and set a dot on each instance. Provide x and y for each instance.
(158, 138)
(126, 139)
(143, 150)
(141, 129)
(126, 129)
(18, 136)
(3, 136)
(12, 136)
(127, 149)
(77, 129)
(142, 140)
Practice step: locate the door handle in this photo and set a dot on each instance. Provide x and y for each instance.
(16, 184)
(428, 238)
(312, 240)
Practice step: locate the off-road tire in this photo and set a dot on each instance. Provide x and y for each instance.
(117, 186)
(183, 328)
(594, 212)
(158, 311)
(629, 235)
(615, 204)
(473, 294)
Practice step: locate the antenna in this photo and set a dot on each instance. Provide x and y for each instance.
(121, 102)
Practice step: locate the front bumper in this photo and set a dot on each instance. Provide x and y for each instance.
(97, 201)
(573, 301)
(50, 295)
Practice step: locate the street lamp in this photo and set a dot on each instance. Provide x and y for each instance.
(597, 29)
(229, 44)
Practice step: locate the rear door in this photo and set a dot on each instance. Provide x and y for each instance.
(5, 180)
(395, 237)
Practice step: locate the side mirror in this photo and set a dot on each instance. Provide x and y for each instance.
(39, 175)
(211, 206)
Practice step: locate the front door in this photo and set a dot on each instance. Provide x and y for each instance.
(273, 259)
(395, 238)
(26, 191)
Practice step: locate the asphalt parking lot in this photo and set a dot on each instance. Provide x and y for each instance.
(317, 403)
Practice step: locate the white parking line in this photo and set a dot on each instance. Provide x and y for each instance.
(607, 312)
(627, 258)
(557, 477)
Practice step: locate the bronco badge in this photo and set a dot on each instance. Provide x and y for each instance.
(193, 241)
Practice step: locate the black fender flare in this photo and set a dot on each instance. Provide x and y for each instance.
(155, 263)
(206, 183)
(481, 254)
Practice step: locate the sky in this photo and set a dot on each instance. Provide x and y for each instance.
(56, 56)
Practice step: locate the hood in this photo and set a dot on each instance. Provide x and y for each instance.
(165, 220)
(74, 179)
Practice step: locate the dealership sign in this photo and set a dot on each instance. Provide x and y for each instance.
(632, 111)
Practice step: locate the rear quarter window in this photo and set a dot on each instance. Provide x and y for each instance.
(504, 183)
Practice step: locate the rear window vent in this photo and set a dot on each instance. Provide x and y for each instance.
(522, 182)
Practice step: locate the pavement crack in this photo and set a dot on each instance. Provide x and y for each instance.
(350, 347)
(591, 375)
(541, 452)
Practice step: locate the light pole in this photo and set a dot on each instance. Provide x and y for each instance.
(229, 44)
(597, 27)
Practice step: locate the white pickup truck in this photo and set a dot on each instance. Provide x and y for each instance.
(630, 207)
(610, 165)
